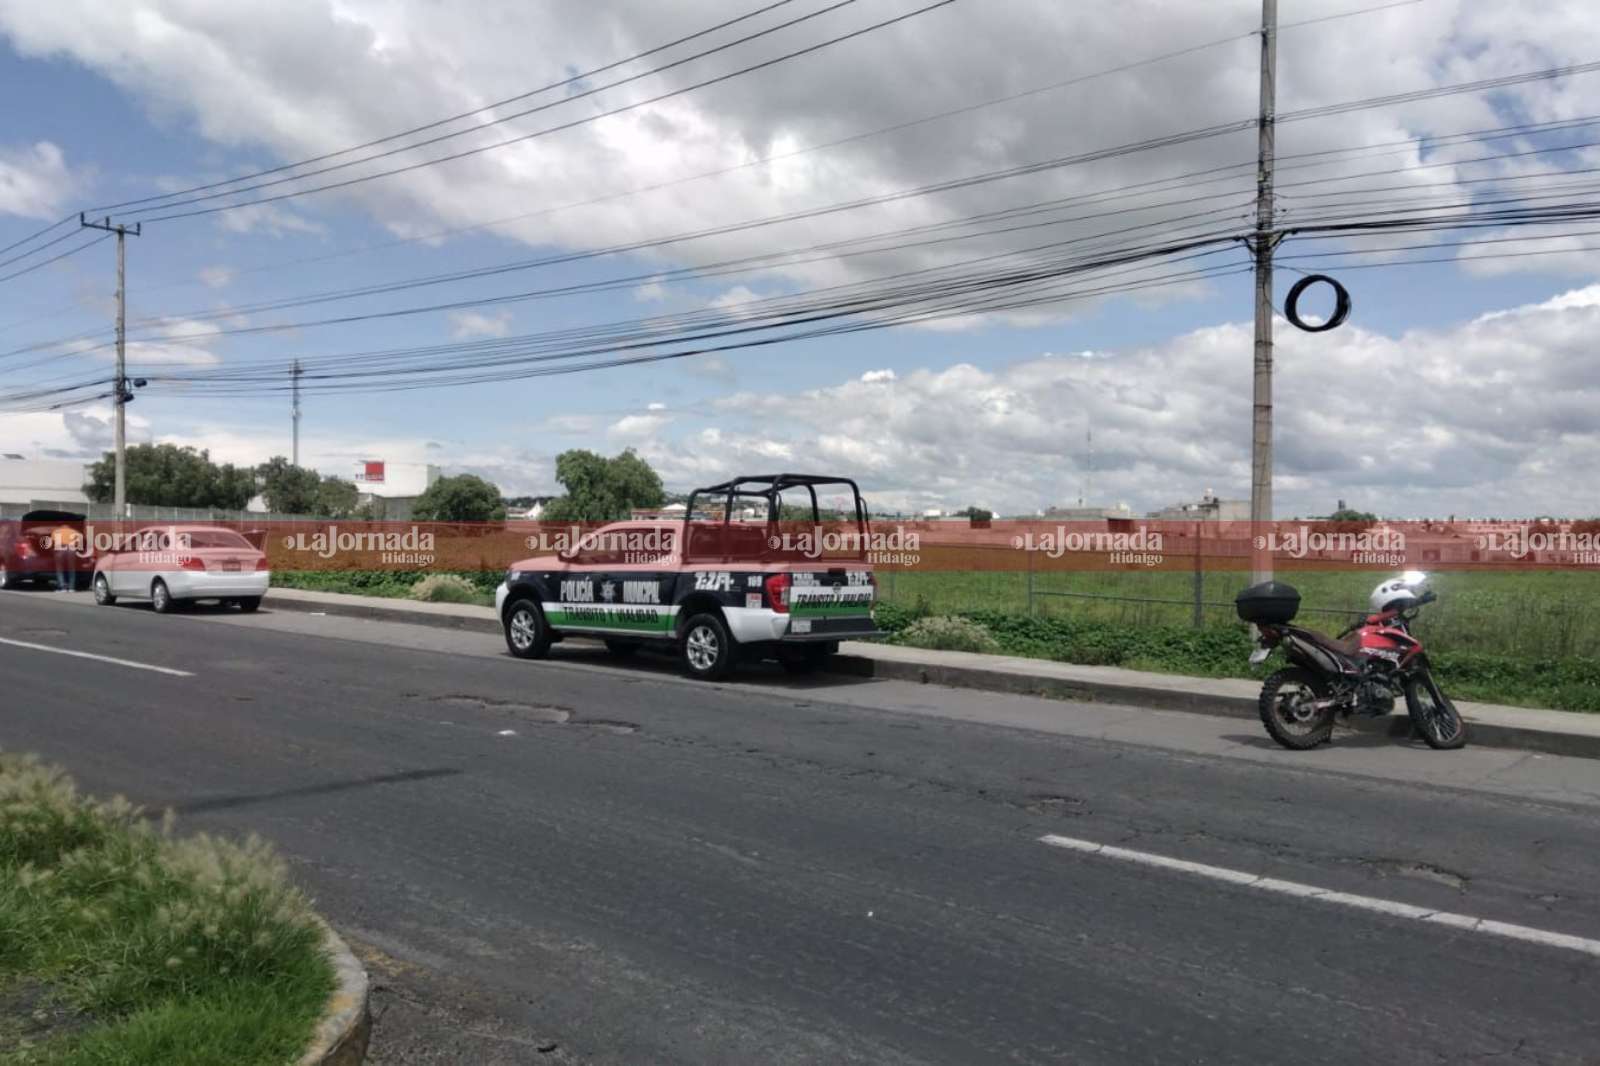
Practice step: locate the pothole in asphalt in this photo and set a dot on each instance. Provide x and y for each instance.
(1052, 803)
(1422, 871)
(529, 712)
(606, 725)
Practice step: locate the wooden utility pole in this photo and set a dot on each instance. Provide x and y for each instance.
(121, 394)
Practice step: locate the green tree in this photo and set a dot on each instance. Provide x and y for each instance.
(1346, 514)
(978, 515)
(337, 498)
(601, 489)
(165, 475)
(286, 488)
(466, 498)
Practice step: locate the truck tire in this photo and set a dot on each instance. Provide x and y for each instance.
(707, 647)
(527, 634)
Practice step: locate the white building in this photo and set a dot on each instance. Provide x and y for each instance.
(28, 482)
(389, 489)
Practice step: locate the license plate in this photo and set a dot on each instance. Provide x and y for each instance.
(231, 565)
(1259, 656)
(800, 625)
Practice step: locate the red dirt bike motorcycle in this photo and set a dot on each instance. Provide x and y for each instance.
(1360, 671)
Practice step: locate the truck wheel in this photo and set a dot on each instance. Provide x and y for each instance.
(527, 635)
(707, 647)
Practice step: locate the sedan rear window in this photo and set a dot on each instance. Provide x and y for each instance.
(216, 538)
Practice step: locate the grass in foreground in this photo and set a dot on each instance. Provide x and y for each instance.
(140, 948)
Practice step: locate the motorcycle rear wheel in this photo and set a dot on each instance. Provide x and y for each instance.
(1432, 713)
(1288, 721)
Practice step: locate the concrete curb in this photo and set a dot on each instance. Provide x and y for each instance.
(1584, 744)
(1483, 734)
(341, 1036)
(411, 614)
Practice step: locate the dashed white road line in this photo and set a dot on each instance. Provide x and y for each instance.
(1324, 895)
(97, 658)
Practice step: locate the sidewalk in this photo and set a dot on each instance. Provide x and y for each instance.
(1492, 725)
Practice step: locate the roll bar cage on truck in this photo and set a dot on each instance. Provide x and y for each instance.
(752, 571)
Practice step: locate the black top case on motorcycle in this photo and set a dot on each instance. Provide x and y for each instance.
(1270, 603)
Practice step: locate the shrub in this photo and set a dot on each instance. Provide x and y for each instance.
(137, 929)
(949, 633)
(445, 588)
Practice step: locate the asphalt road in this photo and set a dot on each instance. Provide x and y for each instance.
(580, 861)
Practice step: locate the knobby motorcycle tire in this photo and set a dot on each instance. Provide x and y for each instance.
(1322, 727)
(1440, 739)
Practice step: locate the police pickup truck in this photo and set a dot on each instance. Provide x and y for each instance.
(757, 569)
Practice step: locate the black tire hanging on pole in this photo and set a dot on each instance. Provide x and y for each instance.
(1341, 304)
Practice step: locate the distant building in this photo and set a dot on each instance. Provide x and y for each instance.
(27, 484)
(530, 513)
(1090, 513)
(389, 490)
(1209, 508)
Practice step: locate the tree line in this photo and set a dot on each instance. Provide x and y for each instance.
(598, 488)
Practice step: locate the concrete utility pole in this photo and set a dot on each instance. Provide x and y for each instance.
(1265, 243)
(121, 394)
(294, 376)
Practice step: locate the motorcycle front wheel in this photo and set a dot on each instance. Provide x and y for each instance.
(1432, 713)
(1286, 711)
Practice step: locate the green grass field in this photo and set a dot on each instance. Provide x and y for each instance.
(1538, 614)
(1526, 639)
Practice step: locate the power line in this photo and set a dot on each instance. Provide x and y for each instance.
(775, 157)
(55, 258)
(465, 153)
(574, 79)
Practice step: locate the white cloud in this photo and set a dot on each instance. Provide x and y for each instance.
(35, 181)
(286, 82)
(1492, 415)
(638, 427)
(477, 324)
(216, 277)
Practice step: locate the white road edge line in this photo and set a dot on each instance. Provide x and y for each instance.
(1294, 888)
(97, 658)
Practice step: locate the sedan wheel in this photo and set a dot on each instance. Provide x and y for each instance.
(160, 598)
(102, 591)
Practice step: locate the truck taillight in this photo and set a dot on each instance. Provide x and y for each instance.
(25, 550)
(778, 593)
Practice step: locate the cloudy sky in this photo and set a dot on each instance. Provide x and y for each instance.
(1467, 384)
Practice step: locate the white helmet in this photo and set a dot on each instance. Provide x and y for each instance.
(1397, 593)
